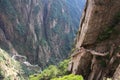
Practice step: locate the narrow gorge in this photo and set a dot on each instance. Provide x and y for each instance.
(41, 30)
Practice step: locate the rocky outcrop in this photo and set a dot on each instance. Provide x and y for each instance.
(9, 68)
(41, 30)
(24, 62)
(98, 15)
(97, 44)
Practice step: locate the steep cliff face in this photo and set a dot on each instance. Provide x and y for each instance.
(42, 30)
(101, 12)
(97, 50)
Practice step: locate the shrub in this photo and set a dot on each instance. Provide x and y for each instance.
(21, 29)
(52, 72)
(43, 42)
(69, 77)
(63, 67)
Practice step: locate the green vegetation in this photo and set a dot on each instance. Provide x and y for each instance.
(26, 71)
(36, 9)
(69, 77)
(43, 42)
(109, 79)
(9, 68)
(63, 67)
(37, 30)
(7, 8)
(73, 49)
(56, 8)
(106, 34)
(21, 29)
(54, 72)
(56, 12)
(47, 74)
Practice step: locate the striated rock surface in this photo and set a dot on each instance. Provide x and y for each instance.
(97, 52)
(98, 15)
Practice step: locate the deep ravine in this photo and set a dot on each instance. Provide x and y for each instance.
(41, 30)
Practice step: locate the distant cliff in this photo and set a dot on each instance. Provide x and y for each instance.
(41, 30)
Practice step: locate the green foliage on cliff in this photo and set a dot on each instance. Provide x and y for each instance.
(43, 42)
(9, 68)
(36, 9)
(7, 7)
(56, 8)
(52, 72)
(21, 29)
(37, 30)
(63, 67)
(106, 34)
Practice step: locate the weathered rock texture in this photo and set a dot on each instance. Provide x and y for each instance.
(98, 40)
(41, 30)
(98, 15)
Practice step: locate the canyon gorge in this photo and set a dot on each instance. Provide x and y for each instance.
(41, 30)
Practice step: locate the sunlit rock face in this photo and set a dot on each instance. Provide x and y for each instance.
(97, 17)
(41, 30)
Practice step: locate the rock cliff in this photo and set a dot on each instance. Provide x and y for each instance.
(97, 52)
(41, 30)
